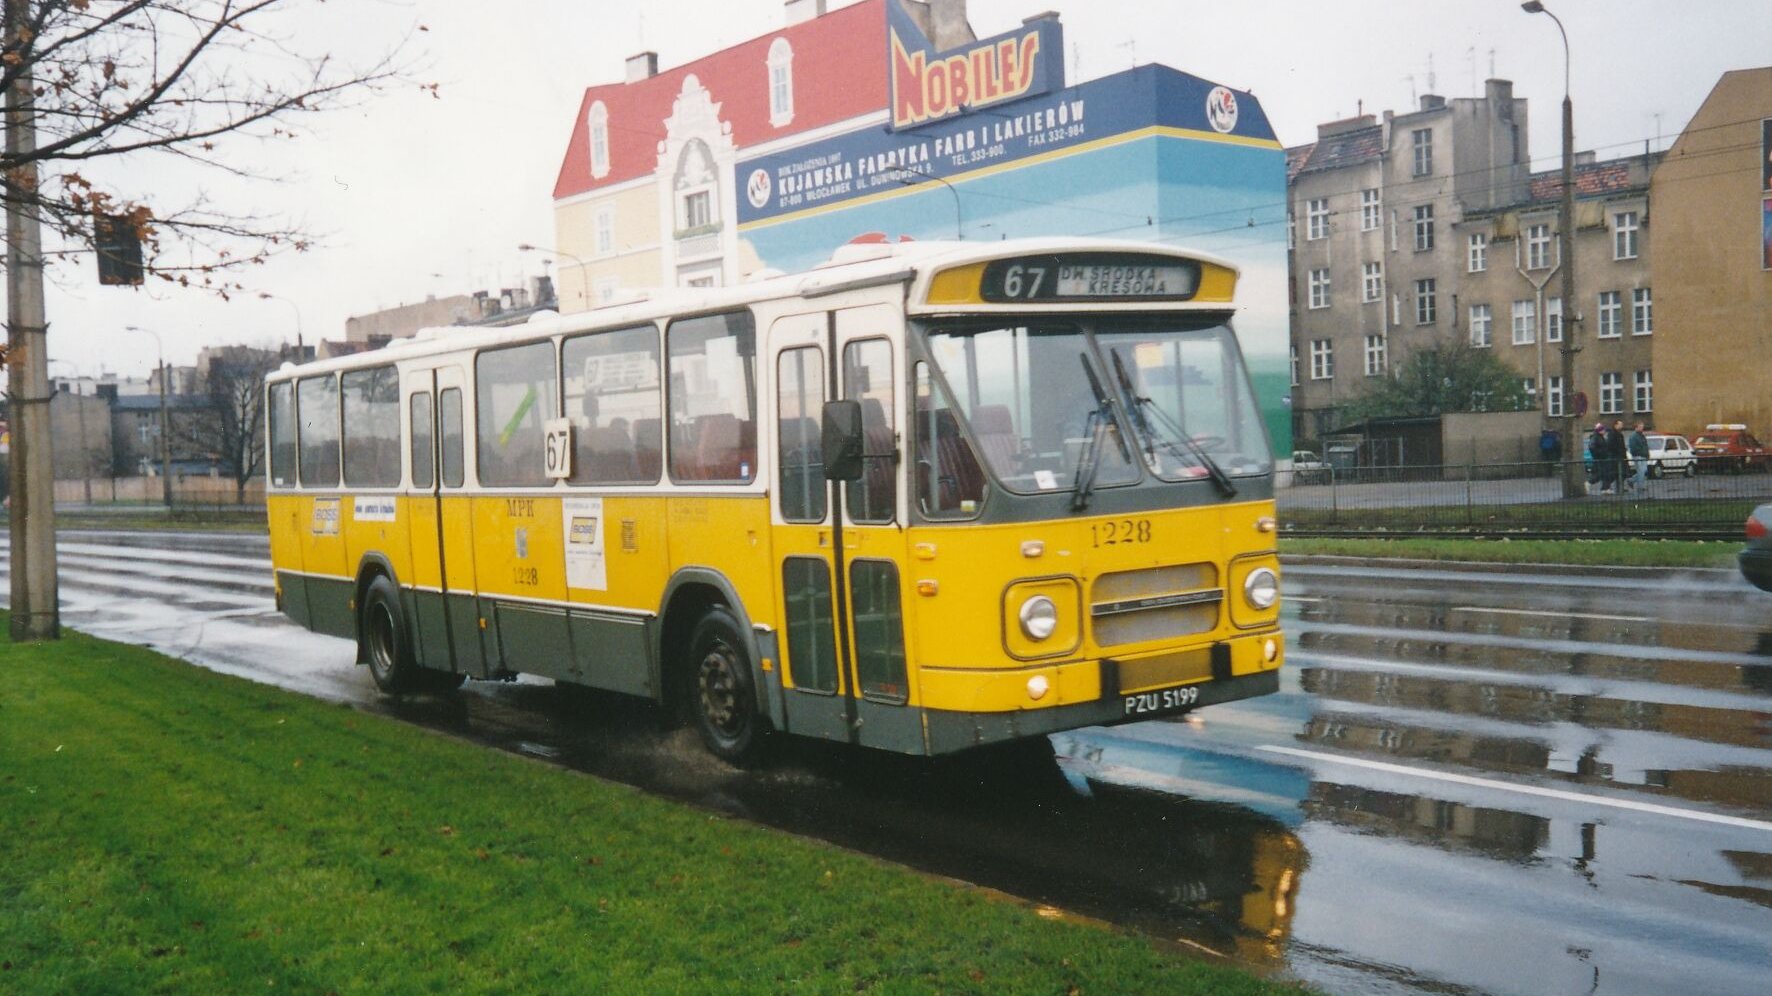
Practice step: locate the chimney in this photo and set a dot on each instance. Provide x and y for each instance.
(642, 67)
(804, 10)
(1432, 101)
(948, 26)
(1499, 91)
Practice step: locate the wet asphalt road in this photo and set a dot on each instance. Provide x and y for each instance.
(1469, 782)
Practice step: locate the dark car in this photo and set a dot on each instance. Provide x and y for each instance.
(1756, 557)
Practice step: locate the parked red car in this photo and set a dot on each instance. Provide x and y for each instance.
(1729, 446)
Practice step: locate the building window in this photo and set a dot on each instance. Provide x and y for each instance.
(1553, 396)
(1529, 387)
(696, 210)
(1294, 349)
(1482, 326)
(1372, 282)
(1642, 315)
(781, 82)
(1643, 393)
(605, 227)
(1611, 315)
(1611, 394)
(1322, 359)
(599, 121)
(1538, 241)
(1291, 230)
(1319, 288)
(1375, 358)
(1316, 219)
(605, 289)
(1369, 209)
(1477, 255)
(1525, 323)
(1424, 302)
(1424, 228)
(1624, 235)
(1553, 320)
(1423, 140)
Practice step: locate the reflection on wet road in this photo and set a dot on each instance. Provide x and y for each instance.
(1469, 782)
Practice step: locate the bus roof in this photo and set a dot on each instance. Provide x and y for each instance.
(852, 267)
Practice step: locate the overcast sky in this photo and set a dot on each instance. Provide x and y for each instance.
(414, 195)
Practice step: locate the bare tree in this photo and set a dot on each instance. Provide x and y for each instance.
(235, 379)
(166, 79)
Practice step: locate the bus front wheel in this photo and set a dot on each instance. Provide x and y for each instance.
(386, 642)
(722, 696)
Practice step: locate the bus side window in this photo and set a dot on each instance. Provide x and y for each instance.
(867, 377)
(517, 388)
(713, 398)
(372, 427)
(949, 480)
(612, 398)
(282, 435)
(423, 462)
(317, 407)
(799, 407)
(449, 410)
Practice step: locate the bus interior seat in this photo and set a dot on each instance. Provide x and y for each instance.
(877, 496)
(648, 448)
(996, 435)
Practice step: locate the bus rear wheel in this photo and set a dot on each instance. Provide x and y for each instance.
(722, 697)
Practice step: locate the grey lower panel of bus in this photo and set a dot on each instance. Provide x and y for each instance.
(321, 604)
(292, 599)
(585, 647)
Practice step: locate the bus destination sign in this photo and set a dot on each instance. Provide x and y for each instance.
(1090, 277)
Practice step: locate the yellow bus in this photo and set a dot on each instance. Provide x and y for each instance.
(925, 497)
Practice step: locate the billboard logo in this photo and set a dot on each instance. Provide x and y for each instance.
(928, 85)
(1221, 109)
(758, 188)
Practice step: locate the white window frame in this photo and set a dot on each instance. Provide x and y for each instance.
(1370, 209)
(1294, 349)
(781, 82)
(1424, 227)
(1530, 386)
(1611, 315)
(1426, 305)
(1376, 358)
(1422, 143)
(1611, 393)
(1525, 315)
(603, 228)
(1643, 392)
(1553, 396)
(1624, 235)
(604, 289)
(1316, 219)
(1538, 242)
(1642, 312)
(1322, 359)
(1553, 319)
(1372, 282)
(598, 122)
(1476, 257)
(1319, 288)
(1482, 326)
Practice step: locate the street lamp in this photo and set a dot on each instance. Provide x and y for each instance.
(165, 426)
(1573, 483)
(903, 176)
(583, 277)
(299, 351)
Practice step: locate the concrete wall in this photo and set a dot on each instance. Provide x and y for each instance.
(1490, 437)
(1713, 290)
(402, 321)
(80, 435)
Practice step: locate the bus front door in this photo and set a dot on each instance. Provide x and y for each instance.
(446, 620)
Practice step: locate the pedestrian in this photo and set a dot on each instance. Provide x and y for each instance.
(1602, 453)
(1638, 447)
(1620, 455)
(1549, 448)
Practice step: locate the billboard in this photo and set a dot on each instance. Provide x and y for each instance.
(927, 85)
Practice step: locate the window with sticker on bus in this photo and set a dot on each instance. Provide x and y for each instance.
(516, 388)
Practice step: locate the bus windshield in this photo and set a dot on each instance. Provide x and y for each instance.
(1034, 395)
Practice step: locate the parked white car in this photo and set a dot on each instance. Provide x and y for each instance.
(1308, 468)
(1670, 454)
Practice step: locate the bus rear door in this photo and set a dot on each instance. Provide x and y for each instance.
(445, 616)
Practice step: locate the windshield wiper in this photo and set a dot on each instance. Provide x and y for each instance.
(1090, 459)
(1140, 404)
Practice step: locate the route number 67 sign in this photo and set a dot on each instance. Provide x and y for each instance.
(557, 447)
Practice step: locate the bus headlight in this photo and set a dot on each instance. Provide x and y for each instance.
(1039, 617)
(1261, 588)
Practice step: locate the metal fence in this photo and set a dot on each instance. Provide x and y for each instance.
(147, 495)
(1517, 498)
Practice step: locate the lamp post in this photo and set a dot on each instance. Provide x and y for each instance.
(165, 426)
(1573, 483)
(299, 351)
(584, 290)
(904, 175)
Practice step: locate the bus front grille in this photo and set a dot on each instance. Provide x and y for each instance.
(1157, 603)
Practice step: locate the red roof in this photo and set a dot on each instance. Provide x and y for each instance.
(839, 73)
(1591, 179)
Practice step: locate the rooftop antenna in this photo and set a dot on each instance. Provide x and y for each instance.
(1492, 63)
(1412, 97)
(1430, 73)
(1472, 53)
(1132, 45)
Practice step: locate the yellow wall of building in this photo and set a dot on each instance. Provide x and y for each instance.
(635, 262)
(1713, 296)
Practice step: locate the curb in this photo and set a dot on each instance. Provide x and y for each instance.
(1717, 574)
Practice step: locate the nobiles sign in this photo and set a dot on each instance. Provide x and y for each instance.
(928, 85)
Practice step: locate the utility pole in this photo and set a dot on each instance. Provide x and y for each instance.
(165, 426)
(36, 611)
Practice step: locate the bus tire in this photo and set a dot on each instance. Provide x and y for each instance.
(385, 642)
(722, 697)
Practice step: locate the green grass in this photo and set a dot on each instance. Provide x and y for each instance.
(1584, 552)
(168, 829)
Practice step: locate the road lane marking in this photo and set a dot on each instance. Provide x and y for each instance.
(1652, 652)
(1548, 793)
(1555, 615)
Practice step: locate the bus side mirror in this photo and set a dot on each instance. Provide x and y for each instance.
(842, 440)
